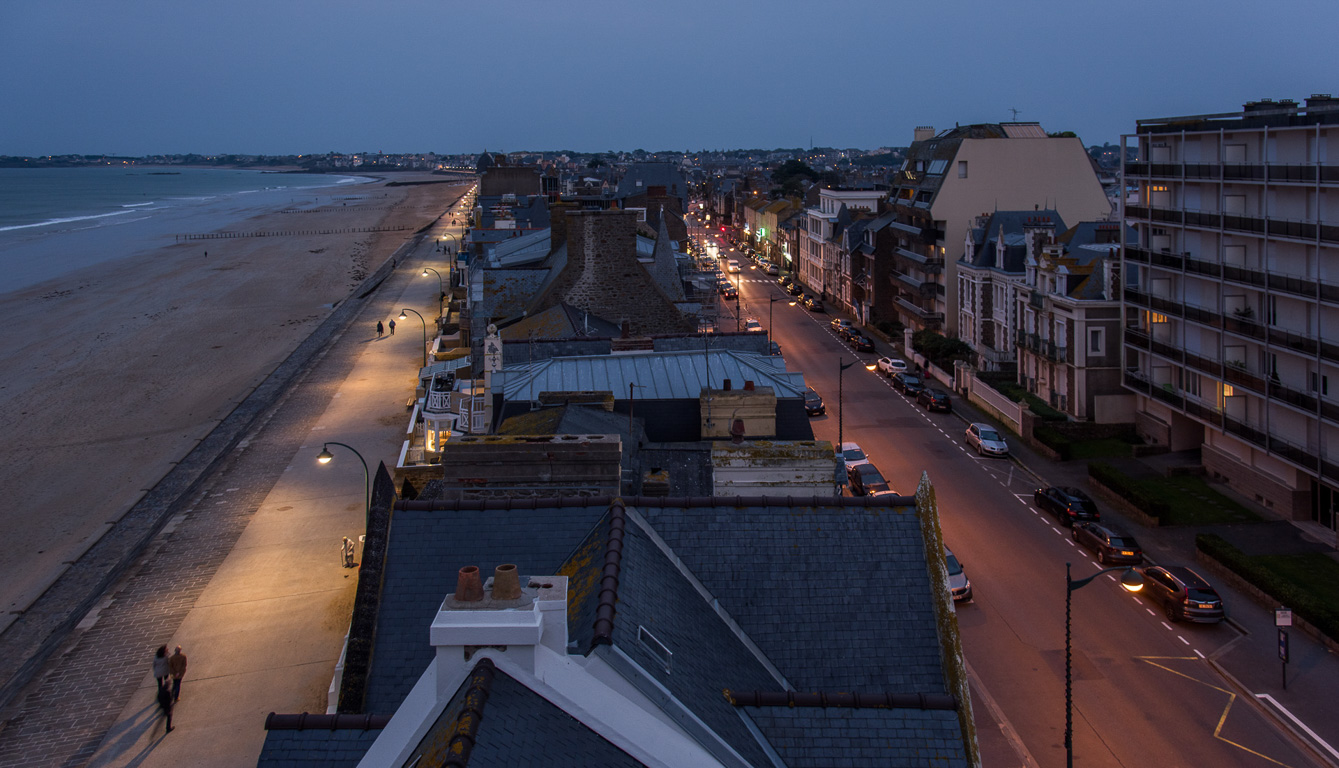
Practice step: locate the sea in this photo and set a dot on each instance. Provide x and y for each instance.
(54, 221)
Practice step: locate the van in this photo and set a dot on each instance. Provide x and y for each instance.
(732, 266)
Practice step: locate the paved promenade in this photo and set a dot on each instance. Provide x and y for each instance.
(247, 577)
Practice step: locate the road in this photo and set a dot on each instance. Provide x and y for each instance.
(1144, 695)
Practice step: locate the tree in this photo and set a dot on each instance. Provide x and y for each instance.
(790, 175)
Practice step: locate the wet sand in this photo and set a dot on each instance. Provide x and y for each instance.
(115, 372)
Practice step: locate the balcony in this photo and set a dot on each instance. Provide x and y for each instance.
(1245, 431)
(928, 263)
(1293, 397)
(1166, 350)
(1166, 306)
(1211, 367)
(928, 317)
(1243, 325)
(1204, 412)
(1272, 172)
(1048, 349)
(1136, 337)
(1037, 299)
(1275, 227)
(908, 283)
(1238, 376)
(1136, 381)
(1297, 454)
(1292, 340)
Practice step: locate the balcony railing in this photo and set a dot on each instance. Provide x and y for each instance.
(1245, 431)
(1294, 228)
(1134, 380)
(1037, 299)
(1293, 397)
(1293, 340)
(1243, 378)
(1275, 172)
(1201, 410)
(1239, 324)
(1136, 337)
(1211, 367)
(929, 263)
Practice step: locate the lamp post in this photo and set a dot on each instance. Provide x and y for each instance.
(770, 301)
(841, 369)
(1130, 581)
(325, 456)
(440, 290)
(403, 316)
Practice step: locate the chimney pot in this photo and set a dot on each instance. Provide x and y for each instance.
(469, 589)
(726, 385)
(737, 431)
(748, 386)
(506, 583)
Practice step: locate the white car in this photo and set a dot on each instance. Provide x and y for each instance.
(986, 440)
(753, 326)
(852, 455)
(732, 266)
(958, 584)
(891, 365)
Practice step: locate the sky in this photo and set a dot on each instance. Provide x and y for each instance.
(138, 77)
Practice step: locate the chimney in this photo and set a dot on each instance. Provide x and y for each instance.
(726, 385)
(748, 386)
(737, 431)
(468, 587)
(506, 584)
(924, 132)
(626, 328)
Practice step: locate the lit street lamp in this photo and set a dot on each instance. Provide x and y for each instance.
(403, 316)
(325, 456)
(1130, 581)
(441, 292)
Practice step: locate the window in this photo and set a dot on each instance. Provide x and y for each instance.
(1154, 317)
(937, 166)
(962, 169)
(1096, 341)
(1193, 385)
(1320, 383)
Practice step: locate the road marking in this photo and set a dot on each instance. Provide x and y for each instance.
(1299, 723)
(1182, 639)
(1197, 652)
(1071, 543)
(1168, 626)
(1150, 610)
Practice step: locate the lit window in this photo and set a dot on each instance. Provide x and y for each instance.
(1228, 391)
(1154, 317)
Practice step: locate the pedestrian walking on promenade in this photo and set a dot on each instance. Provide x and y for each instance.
(380, 329)
(346, 549)
(176, 664)
(392, 325)
(165, 705)
(160, 665)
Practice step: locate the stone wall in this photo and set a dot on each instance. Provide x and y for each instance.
(531, 465)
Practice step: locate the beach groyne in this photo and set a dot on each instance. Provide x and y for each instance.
(288, 233)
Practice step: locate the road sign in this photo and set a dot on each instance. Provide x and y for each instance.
(1283, 617)
(1283, 645)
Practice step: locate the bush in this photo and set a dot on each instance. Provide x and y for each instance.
(1129, 489)
(1044, 411)
(1052, 439)
(890, 328)
(1307, 597)
(940, 350)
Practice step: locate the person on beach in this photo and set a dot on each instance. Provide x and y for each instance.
(346, 549)
(380, 329)
(392, 325)
(160, 665)
(165, 705)
(176, 664)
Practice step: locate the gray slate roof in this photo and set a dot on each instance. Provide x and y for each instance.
(315, 748)
(666, 375)
(869, 738)
(651, 175)
(1014, 223)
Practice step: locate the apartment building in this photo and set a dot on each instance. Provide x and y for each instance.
(824, 265)
(1232, 306)
(951, 177)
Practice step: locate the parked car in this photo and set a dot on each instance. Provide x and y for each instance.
(753, 326)
(860, 343)
(853, 456)
(772, 269)
(814, 304)
(908, 383)
(730, 292)
(986, 440)
(785, 281)
(1110, 546)
(838, 323)
(795, 289)
(1068, 505)
(958, 584)
(891, 365)
(935, 400)
(1184, 594)
(813, 404)
(867, 480)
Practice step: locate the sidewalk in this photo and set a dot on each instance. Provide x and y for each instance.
(1249, 663)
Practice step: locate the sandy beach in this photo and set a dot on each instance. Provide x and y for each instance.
(115, 372)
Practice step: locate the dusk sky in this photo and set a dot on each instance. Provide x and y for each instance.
(277, 77)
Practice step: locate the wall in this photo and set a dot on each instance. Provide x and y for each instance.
(537, 466)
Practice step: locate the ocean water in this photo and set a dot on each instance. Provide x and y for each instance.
(54, 221)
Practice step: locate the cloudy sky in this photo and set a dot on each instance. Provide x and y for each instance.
(294, 76)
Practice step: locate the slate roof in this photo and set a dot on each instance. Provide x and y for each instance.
(516, 727)
(508, 292)
(665, 175)
(1014, 223)
(869, 738)
(316, 748)
(426, 550)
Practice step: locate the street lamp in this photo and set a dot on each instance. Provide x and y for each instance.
(403, 316)
(325, 456)
(841, 369)
(441, 292)
(1130, 581)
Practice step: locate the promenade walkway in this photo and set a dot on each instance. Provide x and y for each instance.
(248, 578)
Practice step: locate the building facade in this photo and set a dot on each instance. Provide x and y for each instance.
(1232, 297)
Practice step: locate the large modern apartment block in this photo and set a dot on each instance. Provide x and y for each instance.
(1232, 297)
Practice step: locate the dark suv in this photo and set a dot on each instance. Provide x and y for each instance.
(1110, 545)
(1184, 594)
(866, 480)
(1069, 505)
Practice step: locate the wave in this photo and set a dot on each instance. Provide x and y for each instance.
(136, 205)
(64, 220)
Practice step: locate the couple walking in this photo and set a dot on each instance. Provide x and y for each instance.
(168, 671)
(381, 329)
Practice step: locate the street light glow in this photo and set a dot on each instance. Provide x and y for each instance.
(324, 456)
(1132, 581)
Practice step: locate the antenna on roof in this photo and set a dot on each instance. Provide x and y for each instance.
(1015, 113)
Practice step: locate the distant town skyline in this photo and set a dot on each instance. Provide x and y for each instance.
(149, 77)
